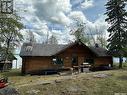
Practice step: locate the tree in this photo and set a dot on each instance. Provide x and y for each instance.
(117, 18)
(91, 38)
(10, 27)
(52, 40)
(79, 33)
(101, 38)
(31, 37)
(101, 41)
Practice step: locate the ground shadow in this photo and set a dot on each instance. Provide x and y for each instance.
(124, 77)
(11, 73)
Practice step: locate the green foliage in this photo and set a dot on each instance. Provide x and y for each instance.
(10, 28)
(102, 41)
(117, 18)
(125, 51)
(11, 36)
(5, 56)
(80, 35)
(79, 32)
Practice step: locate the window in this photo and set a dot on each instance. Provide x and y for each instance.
(89, 60)
(29, 48)
(54, 60)
(57, 60)
(74, 60)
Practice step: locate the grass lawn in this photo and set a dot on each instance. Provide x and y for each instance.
(81, 84)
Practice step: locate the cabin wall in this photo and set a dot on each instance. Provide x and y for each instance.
(31, 64)
(103, 61)
(82, 52)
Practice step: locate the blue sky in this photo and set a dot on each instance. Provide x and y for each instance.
(58, 17)
(91, 13)
(99, 9)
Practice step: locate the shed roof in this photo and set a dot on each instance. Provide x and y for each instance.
(37, 49)
(99, 51)
(40, 49)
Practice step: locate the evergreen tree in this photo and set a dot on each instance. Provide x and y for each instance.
(117, 18)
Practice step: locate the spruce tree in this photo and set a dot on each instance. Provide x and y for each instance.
(117, 19)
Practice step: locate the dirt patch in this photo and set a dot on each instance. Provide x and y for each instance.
(33, 92)
(101, 75)
(9, 91)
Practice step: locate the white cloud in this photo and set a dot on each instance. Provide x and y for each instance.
(53, 10)
(102, 25)
(41, 12)
(78, 16)
(31, 20)
(63, 37)
(94, 28)
(87, 4)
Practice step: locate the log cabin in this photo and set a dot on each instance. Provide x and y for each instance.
(37, 58)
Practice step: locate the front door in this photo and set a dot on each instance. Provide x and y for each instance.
(74, 60)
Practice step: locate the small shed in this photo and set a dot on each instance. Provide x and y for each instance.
(6, 64)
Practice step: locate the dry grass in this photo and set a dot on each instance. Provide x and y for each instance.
(81, 84)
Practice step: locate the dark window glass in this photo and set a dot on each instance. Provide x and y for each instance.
(57, 60)
(89, 60)
(74, 60)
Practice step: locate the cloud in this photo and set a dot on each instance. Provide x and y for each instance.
(31, 21)
(102, 26)
(63, 37)
(90, 28)
(87, 4)
(42, 12)
(53, 10)
(77, 16)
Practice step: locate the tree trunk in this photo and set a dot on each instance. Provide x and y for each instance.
(5, 67)
(120, 62)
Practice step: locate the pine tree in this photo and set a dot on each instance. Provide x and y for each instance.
(117, 18)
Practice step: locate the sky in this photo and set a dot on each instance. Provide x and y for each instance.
(59, 17)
